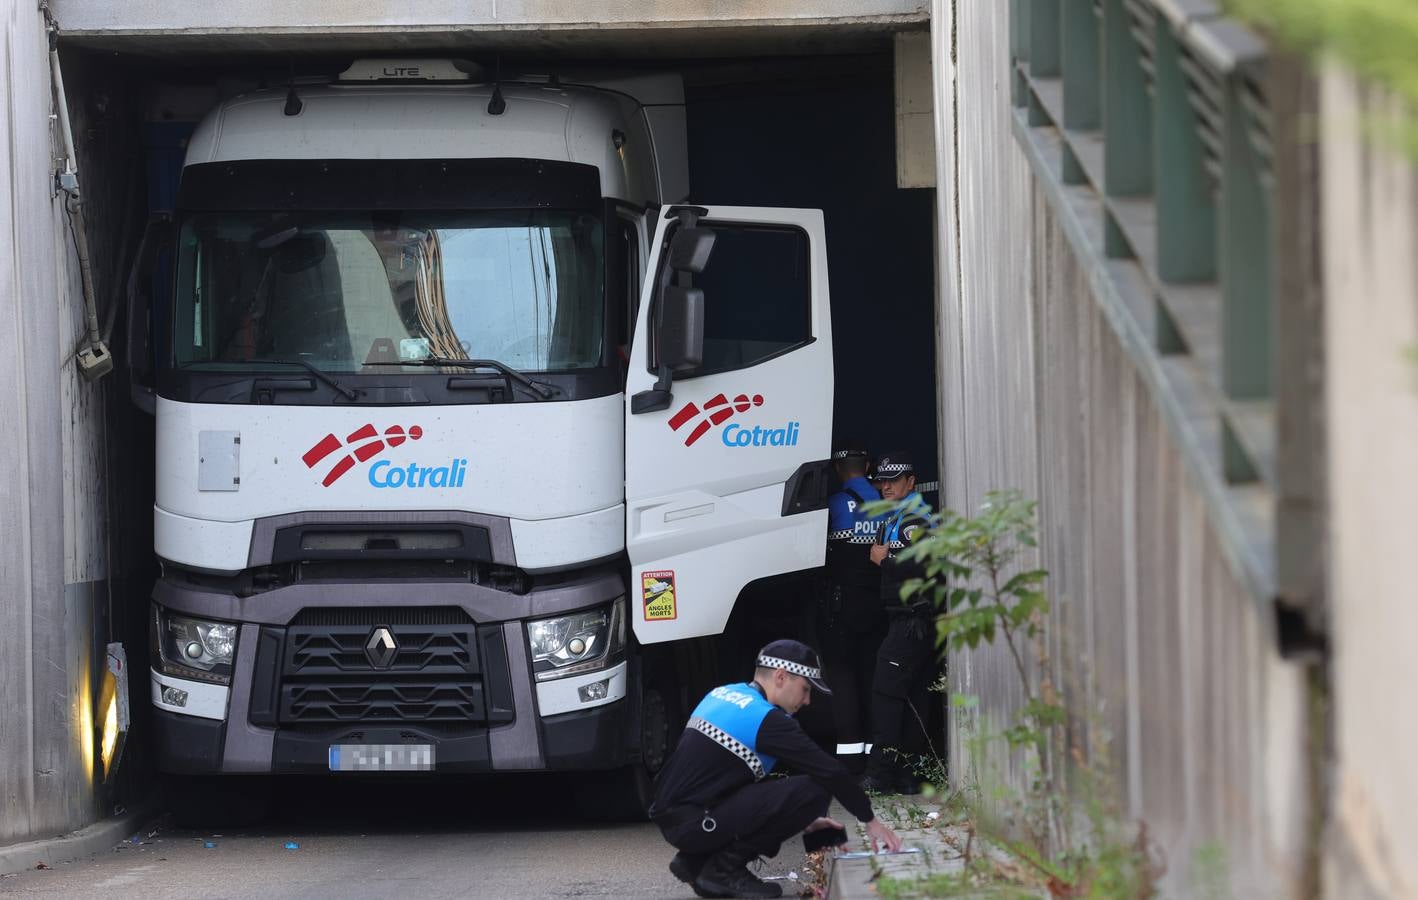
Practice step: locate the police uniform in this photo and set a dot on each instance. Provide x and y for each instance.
(905, 661)
(851, 621)
(714, 801)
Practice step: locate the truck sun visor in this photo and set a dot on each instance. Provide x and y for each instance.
(397, 184)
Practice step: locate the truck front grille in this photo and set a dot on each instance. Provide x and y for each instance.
(390, 701)
(441, 669)
(382, 615)
(337, 650)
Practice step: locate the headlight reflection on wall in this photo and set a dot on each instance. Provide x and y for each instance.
(113, 710)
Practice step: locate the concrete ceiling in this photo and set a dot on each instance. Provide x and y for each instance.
(628, 29)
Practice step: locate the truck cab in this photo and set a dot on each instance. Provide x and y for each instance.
(465, 419)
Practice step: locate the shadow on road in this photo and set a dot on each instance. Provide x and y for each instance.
(401, 805)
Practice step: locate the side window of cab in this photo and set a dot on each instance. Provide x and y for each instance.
(759, 297)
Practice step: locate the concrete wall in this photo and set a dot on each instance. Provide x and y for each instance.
(310, 15)
(1370, 198)
(581, 27)
(1166, 655)
(53, 559)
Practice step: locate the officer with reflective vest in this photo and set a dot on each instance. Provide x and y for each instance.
(906, 659)
(851, 621)
(713, 800)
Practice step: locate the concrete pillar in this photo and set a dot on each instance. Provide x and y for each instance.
(915, 120)
(1370, 205)
(51, 498)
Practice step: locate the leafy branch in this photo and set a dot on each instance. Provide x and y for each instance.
(986, 548)
(1374, 38)
(977, 573)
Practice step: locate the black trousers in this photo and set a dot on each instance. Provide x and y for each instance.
(757, 817)
(852, 625)
(904, 666)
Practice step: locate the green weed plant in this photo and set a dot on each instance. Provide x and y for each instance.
(1064, 828)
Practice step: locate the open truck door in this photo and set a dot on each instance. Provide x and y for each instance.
(728, 422)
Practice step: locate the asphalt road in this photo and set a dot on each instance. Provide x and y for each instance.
(511, 837)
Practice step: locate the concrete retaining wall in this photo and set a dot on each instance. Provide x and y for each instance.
(1370, 201)
(1168, 659)
(53, 559)
(583, 28)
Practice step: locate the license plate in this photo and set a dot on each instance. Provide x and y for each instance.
(381, 757)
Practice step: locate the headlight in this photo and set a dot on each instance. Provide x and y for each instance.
(579, 642)
(194, 648)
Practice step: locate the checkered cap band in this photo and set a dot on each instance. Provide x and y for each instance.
(893, 469)
(774, 662)
(851, 537)
(844, 454)
(730, 743)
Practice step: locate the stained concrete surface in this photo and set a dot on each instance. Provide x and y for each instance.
(934, 842)
(507, 837)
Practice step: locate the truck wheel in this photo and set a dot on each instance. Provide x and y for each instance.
(217, 801)
(655, 742)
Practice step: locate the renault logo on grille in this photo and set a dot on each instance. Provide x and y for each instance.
(381, 647)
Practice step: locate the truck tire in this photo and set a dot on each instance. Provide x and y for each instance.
(217, 801)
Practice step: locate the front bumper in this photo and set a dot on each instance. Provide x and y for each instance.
(297, 686)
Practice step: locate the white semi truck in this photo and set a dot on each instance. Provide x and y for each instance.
(465, 422)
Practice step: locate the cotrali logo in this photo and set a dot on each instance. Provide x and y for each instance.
(363, 444)
(718, 410)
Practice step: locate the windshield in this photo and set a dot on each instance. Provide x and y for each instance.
(347, 291)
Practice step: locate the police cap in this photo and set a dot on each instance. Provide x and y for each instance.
(892, 466)
(796, 658)
(849, 451)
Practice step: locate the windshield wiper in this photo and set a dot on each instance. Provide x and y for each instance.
(348, 393)
(543, 391)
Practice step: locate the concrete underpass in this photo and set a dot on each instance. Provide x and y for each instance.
(1073, 248)
(777, 107)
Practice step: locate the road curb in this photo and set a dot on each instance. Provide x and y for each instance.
(96, 838)
(849, 879)
(915, 821)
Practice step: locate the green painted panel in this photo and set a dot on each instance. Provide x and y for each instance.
(1238, 468)
(1168, 335)
(1186, 208)
(1018, 51)
(1073, 171)
(1127, 108)
(1246, 296)
(1082, 65)
(1044, 40)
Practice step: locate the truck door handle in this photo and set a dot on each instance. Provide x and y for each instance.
(689, 512)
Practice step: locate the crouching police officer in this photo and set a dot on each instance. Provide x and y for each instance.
(904, 662)
(712, 802)
(851, 620)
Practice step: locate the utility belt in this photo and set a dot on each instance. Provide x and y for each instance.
(834, 590)
(681, 815)
(918, 609)
(853, 607)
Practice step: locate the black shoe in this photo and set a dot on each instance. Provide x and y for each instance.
(726, 874)
(686, 867)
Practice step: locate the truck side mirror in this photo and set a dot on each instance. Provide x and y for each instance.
(157, 236)
(690, 249)
(680, 335)
(678, 323)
